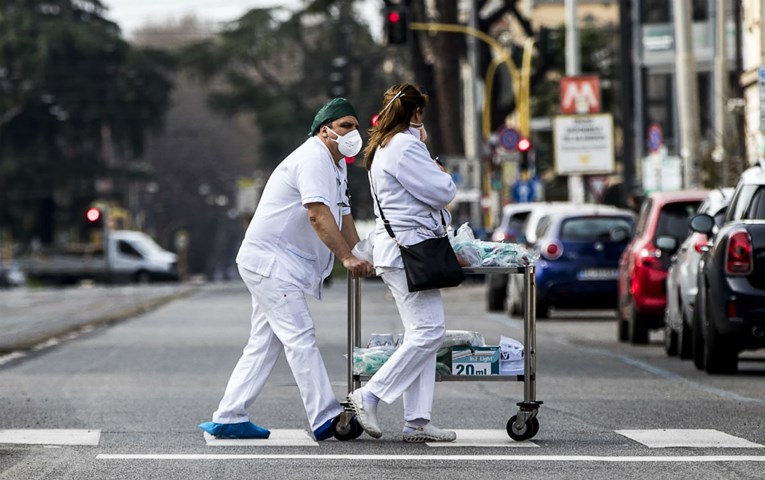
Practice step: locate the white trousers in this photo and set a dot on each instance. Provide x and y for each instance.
(411, 370)
(280, 321)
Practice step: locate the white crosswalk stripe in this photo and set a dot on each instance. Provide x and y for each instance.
(50, 437)
(672, 438)
(278, 438)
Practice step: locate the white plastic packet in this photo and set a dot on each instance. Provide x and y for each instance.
(365, 248)
(510, 356)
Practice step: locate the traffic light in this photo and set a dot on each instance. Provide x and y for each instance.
(93, 215)
(397, 24)
(524, 147)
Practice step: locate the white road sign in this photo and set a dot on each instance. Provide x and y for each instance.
(584, 144)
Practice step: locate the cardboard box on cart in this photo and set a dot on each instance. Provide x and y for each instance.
(475, 360)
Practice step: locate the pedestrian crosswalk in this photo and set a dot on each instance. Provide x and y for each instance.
(650, 438)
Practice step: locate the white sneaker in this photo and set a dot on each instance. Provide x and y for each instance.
(429, 433)
(367, 417)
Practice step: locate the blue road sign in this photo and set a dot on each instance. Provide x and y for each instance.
(655, 138)
(508, 138)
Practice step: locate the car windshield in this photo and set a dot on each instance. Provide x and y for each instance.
(591, 229)
(674, 218)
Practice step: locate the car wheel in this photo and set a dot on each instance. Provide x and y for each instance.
(670, 340)
(697, 335)
(496, 295)
(719, 355)
(638, 330)
(622, 326)
(143, 277)
(684, 345)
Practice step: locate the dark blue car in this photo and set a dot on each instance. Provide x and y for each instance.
(579, 258)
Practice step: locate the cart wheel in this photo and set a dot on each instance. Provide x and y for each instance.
(350, 431)
(529, 429)
(534, 427)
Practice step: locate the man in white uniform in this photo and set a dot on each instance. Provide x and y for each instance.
(302, 222)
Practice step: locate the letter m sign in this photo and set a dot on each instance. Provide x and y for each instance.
(580, 94)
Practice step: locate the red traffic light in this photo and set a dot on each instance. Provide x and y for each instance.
(394, 17)
(524, 144)
(93, 214)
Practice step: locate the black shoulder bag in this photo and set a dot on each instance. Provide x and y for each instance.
(429, 264)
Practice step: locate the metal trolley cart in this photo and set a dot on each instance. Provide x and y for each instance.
(522, 426)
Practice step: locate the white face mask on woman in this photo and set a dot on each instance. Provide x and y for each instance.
(418, 129)
(348, 144)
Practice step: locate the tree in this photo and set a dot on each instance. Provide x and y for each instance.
(282, 71)
(76, 101)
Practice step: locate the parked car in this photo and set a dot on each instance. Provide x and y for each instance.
(731, 292)
(663, 219)
(128, 256)
(510, 230)
(578, 266)
(682, 278)
(10, 274)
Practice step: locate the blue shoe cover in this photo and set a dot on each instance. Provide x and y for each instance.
(234, 430)
(325, 431)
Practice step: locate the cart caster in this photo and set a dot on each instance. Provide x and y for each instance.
(346, 427)
(525, 432)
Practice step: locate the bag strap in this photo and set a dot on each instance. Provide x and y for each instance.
(386, 223)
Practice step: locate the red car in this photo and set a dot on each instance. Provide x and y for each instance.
(663, 224)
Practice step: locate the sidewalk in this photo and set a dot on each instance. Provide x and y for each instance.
(31, 316)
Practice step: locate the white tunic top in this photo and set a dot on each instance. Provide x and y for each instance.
(412, 190)
(280, 240)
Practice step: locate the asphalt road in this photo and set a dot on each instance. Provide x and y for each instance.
(139, 387)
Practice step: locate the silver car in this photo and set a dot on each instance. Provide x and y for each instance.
(682, 279)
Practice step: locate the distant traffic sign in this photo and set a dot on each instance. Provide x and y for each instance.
(655, 138)
(508, 138)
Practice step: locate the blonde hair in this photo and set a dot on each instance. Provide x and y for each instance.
(399, 104)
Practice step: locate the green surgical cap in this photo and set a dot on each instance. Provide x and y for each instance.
(332, 110)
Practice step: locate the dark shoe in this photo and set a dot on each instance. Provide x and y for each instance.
(325, 431)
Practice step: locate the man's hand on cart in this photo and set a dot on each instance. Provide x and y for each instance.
(358, 267)
(462, 261)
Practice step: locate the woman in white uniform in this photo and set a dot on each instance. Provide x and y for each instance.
(413, 191)
(302, 222)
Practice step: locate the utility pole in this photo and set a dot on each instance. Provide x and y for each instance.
(573, 67)
(687, 88)
(720, 154)
(628, 99)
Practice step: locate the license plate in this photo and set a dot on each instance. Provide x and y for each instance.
(598, 274)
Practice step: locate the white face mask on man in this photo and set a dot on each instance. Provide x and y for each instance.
(348, 144)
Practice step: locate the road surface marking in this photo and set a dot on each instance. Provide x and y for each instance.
(483, 438)
(51, 437)
(452, 458)
(668, 438)
(278, 438)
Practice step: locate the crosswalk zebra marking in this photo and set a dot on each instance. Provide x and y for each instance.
(671, 438)
(483, 438)
(278, 438)
(50, 437)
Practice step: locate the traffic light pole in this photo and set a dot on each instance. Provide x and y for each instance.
(520, 86)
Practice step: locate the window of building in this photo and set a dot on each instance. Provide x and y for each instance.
(658, 105)
(660, 11)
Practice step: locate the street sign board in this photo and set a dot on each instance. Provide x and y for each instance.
(655, 137)
(508, 138)
(583, 144)
(580, 94)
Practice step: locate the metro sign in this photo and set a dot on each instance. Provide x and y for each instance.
(580, 94)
